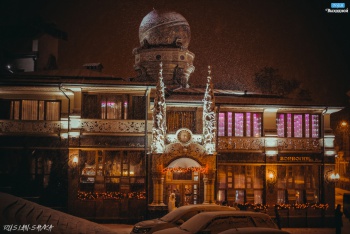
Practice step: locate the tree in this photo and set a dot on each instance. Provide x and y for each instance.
(269, 81)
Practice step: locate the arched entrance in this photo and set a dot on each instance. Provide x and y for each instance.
(183, 177)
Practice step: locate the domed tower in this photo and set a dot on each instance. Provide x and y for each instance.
(164, 37)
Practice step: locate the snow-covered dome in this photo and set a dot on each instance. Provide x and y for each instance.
(164, 28)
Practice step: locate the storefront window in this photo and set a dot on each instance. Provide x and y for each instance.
(297, 184)
(241, 183)
(112, 171)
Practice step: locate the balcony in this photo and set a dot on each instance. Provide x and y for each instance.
(31, 127)
(78, 126)
(98, 126)
(259, 144)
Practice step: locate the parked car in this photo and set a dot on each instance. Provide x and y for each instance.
(219, 221)
(254, 230)
(176, 217)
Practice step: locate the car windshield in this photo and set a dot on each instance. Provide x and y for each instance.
(264, 222)
(174, 215)
(196, 223)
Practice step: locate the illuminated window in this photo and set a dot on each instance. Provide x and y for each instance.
(243, 124)
(241, 183)
(35, 110)
(221, 124)
(111, 107)
(118, 170)
(180, 119)
(298, 125)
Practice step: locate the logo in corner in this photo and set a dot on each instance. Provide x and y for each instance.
(337, 7)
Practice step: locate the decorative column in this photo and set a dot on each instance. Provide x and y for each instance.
(157, 208)
(209, 117)
(209, 188)
(158, 184)
(159, 116)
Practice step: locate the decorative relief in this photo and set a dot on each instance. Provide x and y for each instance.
(159, 116)
(305, 144)
(48, 127)
(238, 143)
(113, 126)
(177, 149)
(209, 117)
(235, 143)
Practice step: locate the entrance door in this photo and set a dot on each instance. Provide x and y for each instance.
(185, 193)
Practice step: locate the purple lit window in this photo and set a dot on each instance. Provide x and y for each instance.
(289, 125)
(315, 126)
(256, 125)
(239, 124)
(248, 124)
(280, 125)
(229, 123)
(307, 125)
(298, 126)
(221, 127)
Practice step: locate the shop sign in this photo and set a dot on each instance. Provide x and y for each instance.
(295, 159)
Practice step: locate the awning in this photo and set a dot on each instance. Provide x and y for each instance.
(185, 165)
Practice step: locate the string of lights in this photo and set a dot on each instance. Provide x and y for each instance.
(184, 170)
(110, 195)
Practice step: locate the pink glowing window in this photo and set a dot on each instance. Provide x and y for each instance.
(307, 125)
(315, 126)
(229, 123)
(289, 125)
(239, 124)
(221, 127)
(248, 125)
(280, 125)
(256, 125)
(298, 126)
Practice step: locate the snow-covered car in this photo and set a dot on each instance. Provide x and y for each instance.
(176, 217)
(254, 230)
(219, 221)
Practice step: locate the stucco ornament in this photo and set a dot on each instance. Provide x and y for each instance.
(159, 116)
(209, 117)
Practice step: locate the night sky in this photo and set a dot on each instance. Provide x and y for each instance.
(237, 38)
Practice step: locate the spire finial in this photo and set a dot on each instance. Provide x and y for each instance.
(209, 73)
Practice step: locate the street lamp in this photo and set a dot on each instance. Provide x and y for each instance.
(331, 177)
(271, 180)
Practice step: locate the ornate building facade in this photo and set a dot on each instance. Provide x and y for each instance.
(107, 148)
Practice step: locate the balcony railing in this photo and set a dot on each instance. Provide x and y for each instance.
(258, 143)
(114, 126)
(96, 126)
(240, 143)
(30, 127)
(299, 144)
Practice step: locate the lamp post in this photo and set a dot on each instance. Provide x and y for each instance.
(345, 129)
